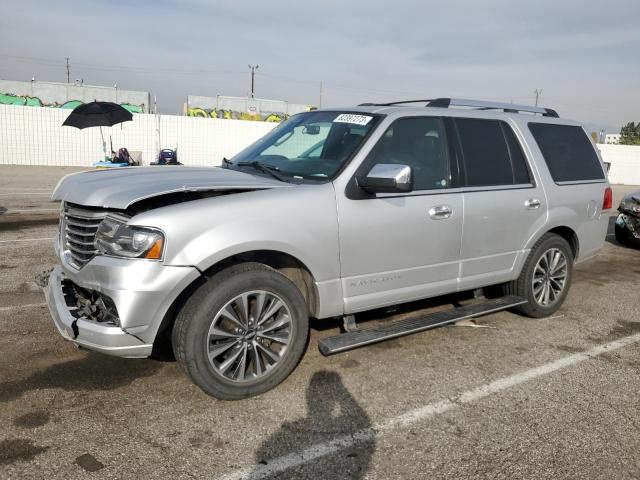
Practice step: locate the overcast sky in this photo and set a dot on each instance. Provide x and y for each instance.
(585, 56)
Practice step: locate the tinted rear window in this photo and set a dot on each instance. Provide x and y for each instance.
(567, 152)
(492, 155)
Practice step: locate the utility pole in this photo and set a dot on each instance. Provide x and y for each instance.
(537, 91)
(320, 101)
(253, 75)
(68, 72)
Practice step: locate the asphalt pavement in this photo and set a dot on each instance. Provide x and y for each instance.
(510, 398)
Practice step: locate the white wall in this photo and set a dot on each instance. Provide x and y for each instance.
(625, 163)
(34, 136)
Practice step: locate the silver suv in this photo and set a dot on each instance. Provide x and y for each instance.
(333, 212)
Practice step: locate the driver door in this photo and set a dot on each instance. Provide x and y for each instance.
(401, 247)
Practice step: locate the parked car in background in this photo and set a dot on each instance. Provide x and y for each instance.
(333, 212)
(627, 227)
(167, 156)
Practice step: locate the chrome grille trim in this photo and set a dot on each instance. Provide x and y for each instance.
(79, 227)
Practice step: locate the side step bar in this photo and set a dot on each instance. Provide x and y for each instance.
(360, 338)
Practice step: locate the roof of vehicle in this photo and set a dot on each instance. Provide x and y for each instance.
(462, 107)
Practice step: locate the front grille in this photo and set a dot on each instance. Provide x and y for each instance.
(79, 227)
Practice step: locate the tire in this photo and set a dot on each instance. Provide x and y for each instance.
(623, 236)
(212, 321)
(523, 286)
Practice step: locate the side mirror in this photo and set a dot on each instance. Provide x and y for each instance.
(387, 178)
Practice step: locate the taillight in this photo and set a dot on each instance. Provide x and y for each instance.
(607, 203)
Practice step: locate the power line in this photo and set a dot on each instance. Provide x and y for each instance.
(195, 72)
(202, 72)
(125, 68)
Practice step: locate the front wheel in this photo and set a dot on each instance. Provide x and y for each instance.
(243, 332)
(545, 278)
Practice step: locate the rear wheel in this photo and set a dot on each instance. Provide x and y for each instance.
(545, 278)
(243, 332)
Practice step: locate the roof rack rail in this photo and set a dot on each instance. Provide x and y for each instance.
(479, 104)
(390, 104)
(484, 105)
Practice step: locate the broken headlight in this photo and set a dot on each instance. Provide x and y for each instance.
(630, 205)
(116, 238)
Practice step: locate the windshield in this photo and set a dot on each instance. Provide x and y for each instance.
(312, 145)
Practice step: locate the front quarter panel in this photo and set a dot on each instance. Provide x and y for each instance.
(300, 221)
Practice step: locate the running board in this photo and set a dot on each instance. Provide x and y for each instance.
(360, 338)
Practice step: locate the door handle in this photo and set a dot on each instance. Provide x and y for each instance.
(440, 212)
(532, 203)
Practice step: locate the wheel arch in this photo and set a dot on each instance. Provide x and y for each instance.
(569, 235)
(291, 267)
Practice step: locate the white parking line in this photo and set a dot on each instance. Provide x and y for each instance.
(32, 210)
(18, 307)
(43, 193)
(27, 240)
(421, 414)
(23, 189)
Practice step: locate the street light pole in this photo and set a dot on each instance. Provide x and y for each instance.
(253, 75)
(537, 93)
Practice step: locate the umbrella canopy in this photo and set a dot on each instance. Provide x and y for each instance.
(97, 114)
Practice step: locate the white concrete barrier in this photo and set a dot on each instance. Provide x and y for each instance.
(34, 136)
(625, 163)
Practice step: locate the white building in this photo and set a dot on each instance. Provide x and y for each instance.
(612, 138)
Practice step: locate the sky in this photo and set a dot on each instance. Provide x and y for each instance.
(583, 55)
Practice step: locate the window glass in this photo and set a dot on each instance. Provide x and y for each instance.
(311, 145)
(567, 151)
(518, 161)
(420, 143)
(485, 152)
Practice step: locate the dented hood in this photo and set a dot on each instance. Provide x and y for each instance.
(121, 187)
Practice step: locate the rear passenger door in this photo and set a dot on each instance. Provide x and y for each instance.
(503, 204)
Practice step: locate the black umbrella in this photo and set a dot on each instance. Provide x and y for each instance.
(98, 114)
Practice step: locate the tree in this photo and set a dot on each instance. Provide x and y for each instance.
(630, 134)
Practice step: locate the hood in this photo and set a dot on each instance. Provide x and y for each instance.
(632, 197)
(119, 188)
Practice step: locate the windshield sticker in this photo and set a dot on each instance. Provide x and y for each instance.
(351, 118)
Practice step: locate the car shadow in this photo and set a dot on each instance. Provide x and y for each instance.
(611, 228)
(92, 372)
(331, 412)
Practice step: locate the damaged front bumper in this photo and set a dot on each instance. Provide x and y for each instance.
(629, 222)
(104, 338)
(137, 294)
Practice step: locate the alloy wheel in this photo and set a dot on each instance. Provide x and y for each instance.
(249, 336)
(549, 277)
